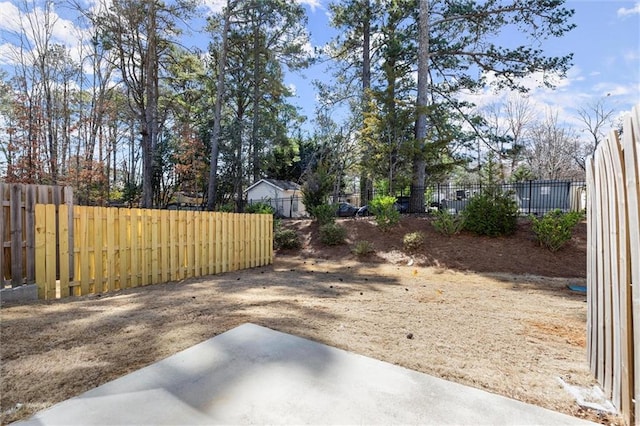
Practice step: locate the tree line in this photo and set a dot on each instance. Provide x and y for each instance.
(130, 114)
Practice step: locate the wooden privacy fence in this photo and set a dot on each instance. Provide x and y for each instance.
(17, 228)
(613, 263)
(122, 248)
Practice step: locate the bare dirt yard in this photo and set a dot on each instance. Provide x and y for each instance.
(495, 314)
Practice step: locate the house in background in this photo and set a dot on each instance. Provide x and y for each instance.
(284, 196)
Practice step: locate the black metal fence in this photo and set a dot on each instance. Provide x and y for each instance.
(535, 197)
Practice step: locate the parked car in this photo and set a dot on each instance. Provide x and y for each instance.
(363, 211)
(400, 207)
(346, 210)
(402, 204)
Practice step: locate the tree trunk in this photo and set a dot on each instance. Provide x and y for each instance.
(217, 114)
(149, 131)
(417, 202)
(255, 145)
(366, 186)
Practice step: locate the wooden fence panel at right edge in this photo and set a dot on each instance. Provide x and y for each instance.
(631, 149)
(592, 274)
(623, 331)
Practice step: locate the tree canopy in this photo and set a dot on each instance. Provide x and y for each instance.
(137, 116)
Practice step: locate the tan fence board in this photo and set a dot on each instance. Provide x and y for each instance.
(591, 268)
(631, 148)
(623, 381)
(110, 247)
(63, 238)
(613, 267)
(82, 249)
(120, 248)
(50, 247)
(40, 243)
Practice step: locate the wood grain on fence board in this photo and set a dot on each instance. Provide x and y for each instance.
(613, 266)
(121, 248)
(631, 148)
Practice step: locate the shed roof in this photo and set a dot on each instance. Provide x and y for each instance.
(283, 185)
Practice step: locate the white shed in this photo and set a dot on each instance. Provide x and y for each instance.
(283, 195)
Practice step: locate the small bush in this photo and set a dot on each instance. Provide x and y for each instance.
(448, 224)
(227, 208)
(324, 213)
(363, 248)
(383, 207)
(332, 234)
(413, 241)
(260, 208)
(491, 213)
(555, 228)
(286, 239)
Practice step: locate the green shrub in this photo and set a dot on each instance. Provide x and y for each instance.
(260, 208)
(324, 213)
(363, 248)
(227, 208)
(413, 241)
(555, 228)
(491, 213)
(332, 234)
(383, 207)
(447, 223)
(286, 239)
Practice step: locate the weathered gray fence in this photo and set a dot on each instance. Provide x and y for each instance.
(17, 228)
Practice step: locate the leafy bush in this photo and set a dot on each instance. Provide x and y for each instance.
(332, 234)
(447, 223)
(324, 213)
(413, 241)
(363, 248)
(491, 213)
(286, 239)
(555, 228)
(260, 208)
(227, 208)
(383, 207)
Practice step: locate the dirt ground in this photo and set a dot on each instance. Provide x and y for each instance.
(495, 314)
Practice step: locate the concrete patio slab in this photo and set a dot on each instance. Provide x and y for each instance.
(254, 375)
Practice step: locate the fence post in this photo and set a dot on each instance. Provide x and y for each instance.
(29, 221)
(16, 235)
(3, 269)
(530, 195)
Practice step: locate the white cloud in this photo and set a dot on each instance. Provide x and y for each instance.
(9, 17)
(612, 89)
(7, 54)
(313, 4)
(215, 6)
(32, 24)
(631, 55)
(568, 94)
(65, 32)
(635, 10)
